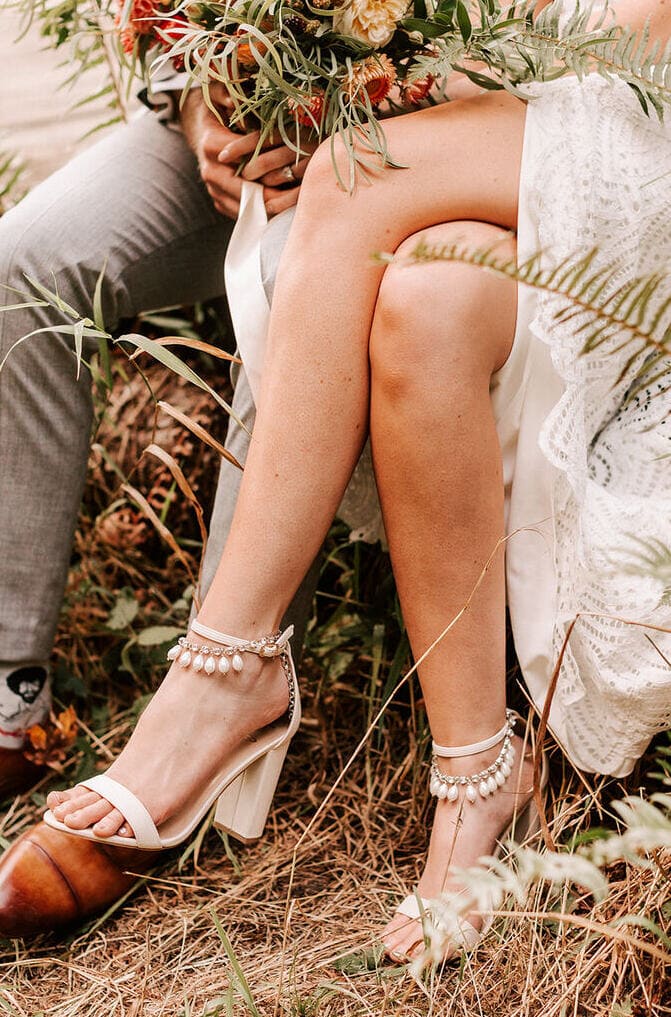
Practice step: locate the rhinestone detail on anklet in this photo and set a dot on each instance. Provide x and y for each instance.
(228, 657)
(449, 787)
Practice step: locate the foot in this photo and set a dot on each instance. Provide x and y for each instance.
(183, 737)
(461, 835)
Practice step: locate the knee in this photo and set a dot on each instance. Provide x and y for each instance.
(327, 182)
(432, 319)
(29, 250)
(32, 246)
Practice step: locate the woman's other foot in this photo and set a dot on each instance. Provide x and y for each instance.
(461, 835)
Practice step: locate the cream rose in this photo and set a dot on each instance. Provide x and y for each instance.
(371, 21)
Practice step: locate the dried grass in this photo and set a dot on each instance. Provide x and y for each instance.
(301, 923)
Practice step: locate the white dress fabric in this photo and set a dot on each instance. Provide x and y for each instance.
(591, 475)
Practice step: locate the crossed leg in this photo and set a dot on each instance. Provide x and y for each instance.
(463, 163)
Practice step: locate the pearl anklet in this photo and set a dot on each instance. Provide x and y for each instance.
(485, 783)
(227, 656)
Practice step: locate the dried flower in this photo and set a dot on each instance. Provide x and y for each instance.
(415, 92)
(309, 112)
(376, 75)
(142, 16)
(47, 745)
(371, 21)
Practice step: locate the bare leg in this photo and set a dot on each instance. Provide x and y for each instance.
(464, 162)
(440, 332)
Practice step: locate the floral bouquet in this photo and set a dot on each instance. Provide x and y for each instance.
(328, 66)
(290, 65)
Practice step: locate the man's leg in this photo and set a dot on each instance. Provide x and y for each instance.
(135, 202)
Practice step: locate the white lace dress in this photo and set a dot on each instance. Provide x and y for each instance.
(588, 471)
(588, 442)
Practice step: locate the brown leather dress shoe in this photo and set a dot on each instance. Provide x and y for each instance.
(17, 774)
(49, 880)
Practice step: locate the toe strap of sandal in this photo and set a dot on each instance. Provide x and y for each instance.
(144, 829)
(466, 937)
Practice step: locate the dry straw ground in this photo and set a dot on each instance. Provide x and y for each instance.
(274, 929)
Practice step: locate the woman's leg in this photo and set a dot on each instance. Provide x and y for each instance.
(441, 330)
(463, 163)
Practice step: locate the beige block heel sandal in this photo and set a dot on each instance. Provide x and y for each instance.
(244, 787)
(524, 828)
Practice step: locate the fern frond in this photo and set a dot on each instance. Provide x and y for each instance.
(607, 314)
(616, 52)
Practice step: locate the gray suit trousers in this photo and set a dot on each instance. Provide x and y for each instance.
(135, 199)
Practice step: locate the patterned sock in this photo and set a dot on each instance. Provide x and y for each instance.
(25, 699)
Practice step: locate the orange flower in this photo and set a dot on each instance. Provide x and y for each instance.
(170, 31)
(309, 111)
(128, 35)
(243, 50)
(142, 15)
(414, 92)
(374, 74)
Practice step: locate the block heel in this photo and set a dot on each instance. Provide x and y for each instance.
(242, 809)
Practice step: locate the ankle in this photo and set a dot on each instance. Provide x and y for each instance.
(210, 650)
(241, 620)
(478, 769)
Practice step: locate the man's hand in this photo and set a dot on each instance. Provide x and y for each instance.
(220, 151)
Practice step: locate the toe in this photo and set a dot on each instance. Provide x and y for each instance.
(72, 800)
(409, 938)
(88, 814)
(401, 935)
(109, 826)
(55, 799)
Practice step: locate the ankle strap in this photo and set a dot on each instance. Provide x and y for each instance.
(456, 751)
(277, 641)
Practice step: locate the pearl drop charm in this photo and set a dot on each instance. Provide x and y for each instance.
(185, 659)
(492, 785)
(210, 665)
(174, 651)
(471, 794)
(483, 789)
(198, 662)
(452, 793)
(442, 792)
(434, 786)
(237, 663)
(224, 665)
(505, 769)
(499, 778)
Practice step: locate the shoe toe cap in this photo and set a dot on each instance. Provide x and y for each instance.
(49, 880)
